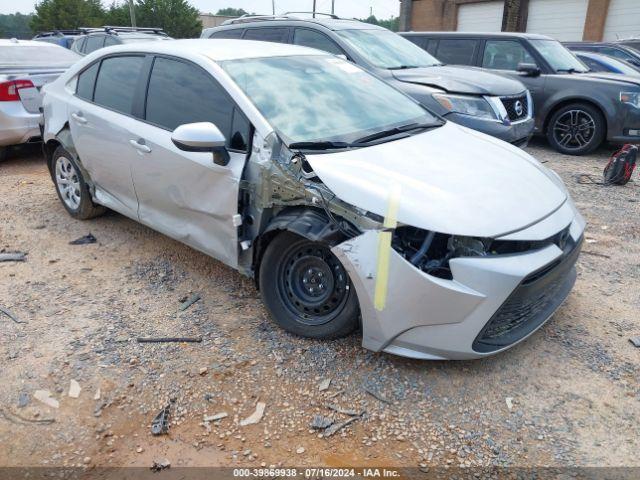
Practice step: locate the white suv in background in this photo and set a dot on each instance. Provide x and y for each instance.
(345, 199)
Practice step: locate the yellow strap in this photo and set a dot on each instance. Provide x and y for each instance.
(384, 249)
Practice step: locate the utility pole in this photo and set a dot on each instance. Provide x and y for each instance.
(273, 7)
(132, 13)
(314, 8)
(333, 7)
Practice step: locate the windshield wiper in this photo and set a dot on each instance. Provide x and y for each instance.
(393, 131)
(321, 145)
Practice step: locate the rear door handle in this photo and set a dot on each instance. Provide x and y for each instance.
(139, 146)
(79, 118)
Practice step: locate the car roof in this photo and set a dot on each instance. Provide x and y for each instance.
(4, 42)
(219, 50)
(529, 36)
(330, 23)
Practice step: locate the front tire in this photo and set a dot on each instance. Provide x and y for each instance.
(576, 129)
(72, 190)
(306, 289)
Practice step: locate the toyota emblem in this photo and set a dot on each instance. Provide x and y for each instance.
(518, 107)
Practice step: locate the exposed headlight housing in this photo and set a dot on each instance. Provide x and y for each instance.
(632, 98)
(466, 105)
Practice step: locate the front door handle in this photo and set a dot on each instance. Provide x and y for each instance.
(139, 146)
(79, 118)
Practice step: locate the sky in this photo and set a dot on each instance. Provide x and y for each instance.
(345, 8)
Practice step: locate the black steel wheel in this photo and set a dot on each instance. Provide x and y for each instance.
(576, 129)
(306, 288)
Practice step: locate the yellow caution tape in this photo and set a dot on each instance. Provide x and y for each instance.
(384, 249)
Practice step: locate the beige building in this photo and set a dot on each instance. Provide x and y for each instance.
(565, 20)
(209, 20)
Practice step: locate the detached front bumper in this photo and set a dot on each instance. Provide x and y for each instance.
(491, 304)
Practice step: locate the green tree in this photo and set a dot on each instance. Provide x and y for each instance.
(392, 23)
(15, 25)
(117, 14)
(176, 17)
(60, 14)
(231, 12)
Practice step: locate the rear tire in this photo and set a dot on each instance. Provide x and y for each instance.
(576, 129)
(306, 289)
(72, 190)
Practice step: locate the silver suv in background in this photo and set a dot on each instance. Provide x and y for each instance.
(25, 66)
(471, 97)
(96, 38)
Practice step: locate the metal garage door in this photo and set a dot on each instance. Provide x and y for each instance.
(480, 17)
(623, 19)
(560, 19)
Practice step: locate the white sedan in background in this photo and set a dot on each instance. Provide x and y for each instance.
(25, 66)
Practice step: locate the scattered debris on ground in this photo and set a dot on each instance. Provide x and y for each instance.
(13, 257)
(170, 340)
(87, 239)
(45, 397)
(74, 389)
(186, 303)
(256, 416)
(160, 423)
(635, 341)
(11, 315)
(161, 464)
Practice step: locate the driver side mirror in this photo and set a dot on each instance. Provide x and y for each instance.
(202, 137)
(528, 69)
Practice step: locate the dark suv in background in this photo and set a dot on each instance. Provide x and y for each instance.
(576, 110)
(96, 38)
(471, 97)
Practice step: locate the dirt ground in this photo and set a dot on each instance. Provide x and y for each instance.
(569, 395)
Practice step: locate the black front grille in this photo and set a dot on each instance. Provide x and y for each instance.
(517, 107)
(531, 303)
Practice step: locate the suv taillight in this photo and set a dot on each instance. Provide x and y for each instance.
(9, 90)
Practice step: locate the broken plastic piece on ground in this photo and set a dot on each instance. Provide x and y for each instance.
(635, 341)
(170, 339)
(11, 315)
(13, 257)
(160, 424)
(320, 422)
(84, 240)
(189, 301)
(338, 426)
(45, 397)
(344, 411)
(256, 416)
(160, 465)
(217, 416)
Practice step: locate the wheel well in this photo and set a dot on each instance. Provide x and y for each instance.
(310, 223)
(564, 103)
(49, 148)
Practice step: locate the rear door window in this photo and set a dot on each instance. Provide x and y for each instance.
(457, 51)
(117, 81)
(310, 38)
(108, 41)
(505, 55)
(94, 43)
(86, 82)
(234, 33)
(271, 34)
(181, 93)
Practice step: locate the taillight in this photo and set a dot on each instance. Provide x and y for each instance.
(9, 90)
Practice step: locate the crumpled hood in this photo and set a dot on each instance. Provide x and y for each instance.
(461, 80)
(450, 179)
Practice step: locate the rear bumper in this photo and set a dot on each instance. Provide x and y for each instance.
(491, 304)
(17, 125)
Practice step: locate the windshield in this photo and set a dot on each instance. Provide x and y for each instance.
(46, 55)
(558, 57)
(317, 98)
(385, 49)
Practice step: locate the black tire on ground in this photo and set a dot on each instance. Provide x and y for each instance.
(576, 129)
(85, 208)
(306, 289)
(4, 151)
